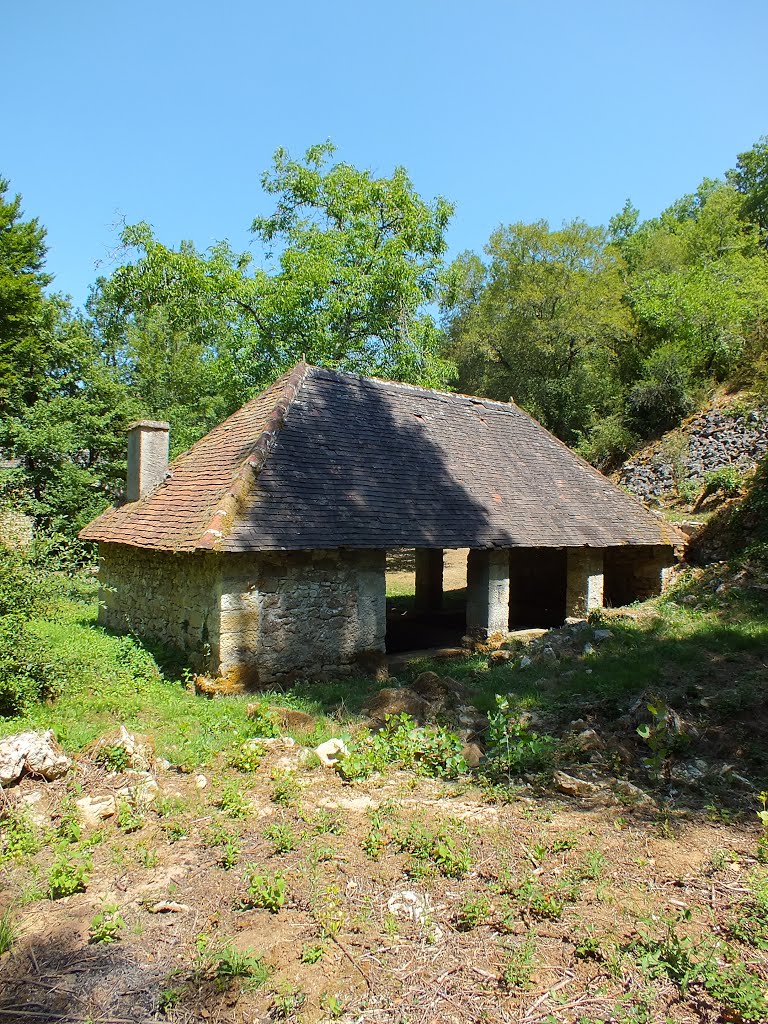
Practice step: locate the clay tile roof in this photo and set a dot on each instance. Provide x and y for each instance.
(325, 459)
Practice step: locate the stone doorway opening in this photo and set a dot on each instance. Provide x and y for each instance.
(538, 582)
(426, 599)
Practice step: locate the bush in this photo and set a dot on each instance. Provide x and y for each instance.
(661, 398)
(608, 442)
(26, 673)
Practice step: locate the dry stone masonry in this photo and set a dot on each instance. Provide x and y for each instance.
(714, 440)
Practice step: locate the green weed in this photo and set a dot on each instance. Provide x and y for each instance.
(68, 876)
(264, 891)
(106, 925)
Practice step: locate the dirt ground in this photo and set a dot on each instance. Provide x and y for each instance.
(401, 570)
(407, 901)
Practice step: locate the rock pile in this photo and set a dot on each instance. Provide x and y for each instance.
(713, 440)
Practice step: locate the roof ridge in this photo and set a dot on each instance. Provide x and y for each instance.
(232, 499)
(416, 387)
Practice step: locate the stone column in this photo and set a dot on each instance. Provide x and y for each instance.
(429, 579)
(371, 567)
(488, 592)
(584, 588)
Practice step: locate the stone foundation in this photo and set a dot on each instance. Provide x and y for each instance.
(254, 619)
(163, 598)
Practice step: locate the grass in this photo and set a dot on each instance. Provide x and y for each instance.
(113, 680)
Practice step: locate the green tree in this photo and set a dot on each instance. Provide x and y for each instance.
(349, 263)
(750, 179)
(542, 320)
(25, 320)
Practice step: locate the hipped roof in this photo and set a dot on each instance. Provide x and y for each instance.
(324, 459)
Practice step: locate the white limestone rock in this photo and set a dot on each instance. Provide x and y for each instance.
(331, 751)
(93, 810)
(31, 753)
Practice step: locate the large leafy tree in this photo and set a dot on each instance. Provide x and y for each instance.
(750, 179)
(63, 408)
(347, 267)
(541, 320)
(25, 319)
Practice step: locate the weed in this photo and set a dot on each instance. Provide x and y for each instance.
(514, 748)
(589, 947)
(18, 836)
(287, 1002)
(663, 735)
(332, 1004)
(175, 830)
(264, 891)
(751, 924)
(169, 999)
(128, 819)
(328, 910)
(472, 912)
(593, 865)
(106, 925)
(8, 931)
(325, 822)
(427, 750)
(312, 954)
(374, 841)
(232, 801)
(168, 806)
(68, 876)
(248, 756)
(147, 857)
(433, 850)
(69, 828)
(537, 901)
(285, 788)
(222, 962)
(518, 970)
(282, 835)
(114, 758)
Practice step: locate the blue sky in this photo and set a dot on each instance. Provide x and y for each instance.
(169, 111)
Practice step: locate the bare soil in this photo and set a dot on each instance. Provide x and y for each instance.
(397, 939)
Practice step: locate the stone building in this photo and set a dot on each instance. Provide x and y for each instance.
(260, 552)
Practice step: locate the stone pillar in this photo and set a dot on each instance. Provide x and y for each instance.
(584, 588)
(429, 579)
(371, 570)
(488, 592)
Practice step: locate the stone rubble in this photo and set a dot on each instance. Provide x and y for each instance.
(712, 440)
(31, 753)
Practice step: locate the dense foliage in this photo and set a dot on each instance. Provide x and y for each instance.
(610, 336)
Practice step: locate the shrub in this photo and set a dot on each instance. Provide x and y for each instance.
(661, 398)
(428, 750)
(608, 442)
(514, 747)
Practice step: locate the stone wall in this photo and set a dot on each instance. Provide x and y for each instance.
(293, 615)
(710, 441)
(166, 598)
(254, 619)
(634, 573)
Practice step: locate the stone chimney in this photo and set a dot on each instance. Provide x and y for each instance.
(147, 457)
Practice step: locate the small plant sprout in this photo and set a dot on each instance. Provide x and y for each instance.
(264, 891)
(8, 931)
(106, 925)
(312, 954)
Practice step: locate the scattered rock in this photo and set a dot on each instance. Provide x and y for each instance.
(93, 810)
(629, 793)
(473, 754)
(588, 649)
(548, 654)
(200, 782)
(168, 907)
(525, 661)
(498, 657)
(292, 720)
(31, 753)
(392, 701)
(572, 786)
(602, 634)
(31, 803)
(142, 792)
(588, 740)
(331, 751)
